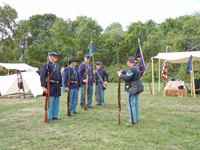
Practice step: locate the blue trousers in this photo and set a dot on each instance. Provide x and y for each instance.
(73, 100)
(53, 109)
(63, 87)
(131, 108)
(136, 98)
(100, 94)
(89, 95)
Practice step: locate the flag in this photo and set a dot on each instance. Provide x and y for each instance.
(91, 49)
(164, 73)
(142, 65)
(189, 66)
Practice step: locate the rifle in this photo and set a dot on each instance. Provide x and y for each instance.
(86, 85)
(47, 96)
(119, 93)
(68, 96)
(119, 100)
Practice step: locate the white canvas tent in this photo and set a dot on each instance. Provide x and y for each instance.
(31, 81)
(177, 57)
(17, 66)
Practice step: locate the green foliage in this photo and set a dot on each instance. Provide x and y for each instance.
(30, 40)
(112, 69)
(3, 72)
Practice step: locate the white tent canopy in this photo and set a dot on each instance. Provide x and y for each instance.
(179, 57)
(17, 66)
(31, 81)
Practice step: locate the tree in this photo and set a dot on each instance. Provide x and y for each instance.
(21, 36)
(39, 42)
(7, 20)
(110, 41)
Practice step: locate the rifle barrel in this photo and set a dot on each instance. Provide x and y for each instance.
(119, 100)
(47, 98)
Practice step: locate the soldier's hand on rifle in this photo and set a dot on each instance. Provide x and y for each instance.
(105, 83)
(45, 90)
(119, 73)
(80, 88)
(67, 89)
(84, 80)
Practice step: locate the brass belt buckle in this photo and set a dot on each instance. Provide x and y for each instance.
(57, 81)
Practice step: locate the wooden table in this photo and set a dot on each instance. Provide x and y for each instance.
(175, 92)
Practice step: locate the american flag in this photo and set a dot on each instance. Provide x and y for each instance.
(164, 71)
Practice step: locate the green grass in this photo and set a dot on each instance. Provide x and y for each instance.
(164, 123)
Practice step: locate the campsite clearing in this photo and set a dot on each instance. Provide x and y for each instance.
(165, 123)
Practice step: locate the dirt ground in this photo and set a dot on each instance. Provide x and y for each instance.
(11, 101)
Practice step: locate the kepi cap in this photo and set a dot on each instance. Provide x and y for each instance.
(53, 54)
(130, 58)
(98, 63)
(87, 56)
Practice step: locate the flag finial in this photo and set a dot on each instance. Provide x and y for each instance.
(138, 40)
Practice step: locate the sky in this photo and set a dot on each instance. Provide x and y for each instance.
(106, 12)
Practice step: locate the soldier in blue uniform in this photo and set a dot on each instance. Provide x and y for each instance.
(55, 85)
(100, 83)
(82, 72)
(75, 84)
(130, 75)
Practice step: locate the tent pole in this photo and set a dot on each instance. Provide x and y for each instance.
(193, 79)
(153, 76)
(159, 74)
(19, 84)
(195, 69)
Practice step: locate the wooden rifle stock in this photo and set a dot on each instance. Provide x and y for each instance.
(68, 96)
(85, 93)
(119, 100)
(47, 98)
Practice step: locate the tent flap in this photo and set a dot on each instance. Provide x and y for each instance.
(17, 66)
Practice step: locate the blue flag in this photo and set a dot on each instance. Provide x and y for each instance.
(141, 65)
(91, 49)
(189, 66)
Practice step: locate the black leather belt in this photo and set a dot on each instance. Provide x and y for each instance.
(52, 81)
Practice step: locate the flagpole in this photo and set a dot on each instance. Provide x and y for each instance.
(94, 74)
(145, 66)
